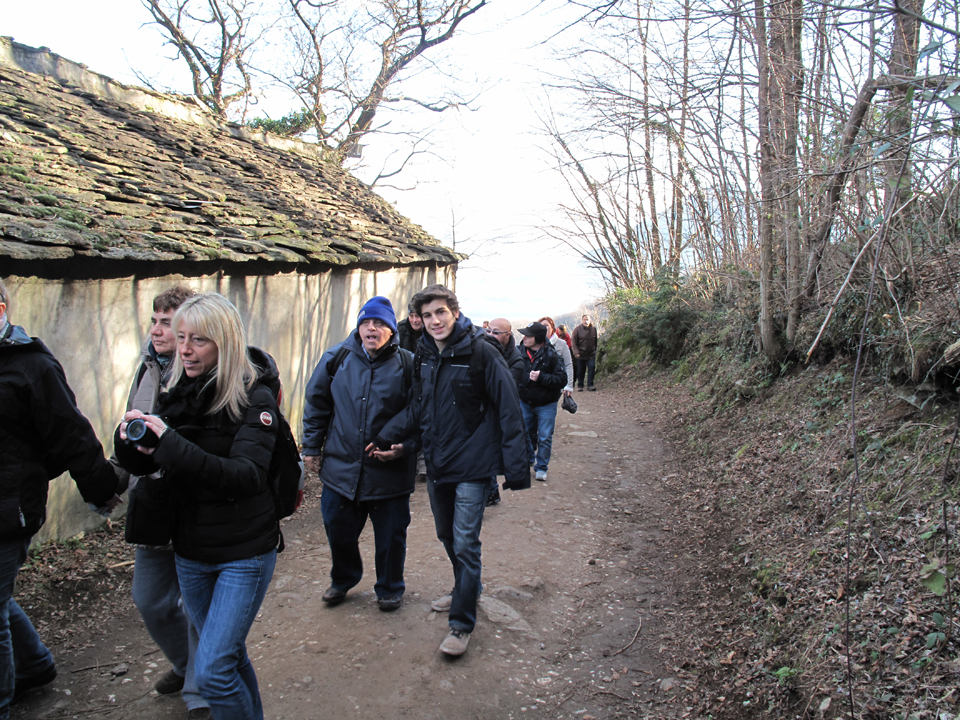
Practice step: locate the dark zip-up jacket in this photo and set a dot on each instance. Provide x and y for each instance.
(407, 336)
(218, 469)
(466, 431)
(42, 435)
(511, 355)
(344, 415)
(553, 376)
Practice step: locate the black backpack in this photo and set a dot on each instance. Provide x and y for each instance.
(286, 466)
(406, 362)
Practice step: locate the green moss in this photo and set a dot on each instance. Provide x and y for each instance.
(15, 172)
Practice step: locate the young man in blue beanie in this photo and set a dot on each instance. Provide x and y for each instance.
(356, 388)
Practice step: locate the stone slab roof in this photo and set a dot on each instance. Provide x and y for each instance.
(92, 171)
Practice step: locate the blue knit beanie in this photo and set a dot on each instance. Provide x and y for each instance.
(378, 308)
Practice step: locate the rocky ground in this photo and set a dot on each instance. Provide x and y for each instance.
(587, 588)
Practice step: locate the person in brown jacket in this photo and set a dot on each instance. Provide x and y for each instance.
(584, 349)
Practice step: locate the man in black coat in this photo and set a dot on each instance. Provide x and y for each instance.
(42, 435)
(541, 385)
(410, 331)
(467, 413)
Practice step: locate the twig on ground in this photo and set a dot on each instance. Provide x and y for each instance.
(635, 636)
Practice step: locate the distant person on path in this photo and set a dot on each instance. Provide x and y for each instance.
(410, 331)
(584, 349)
(42, 435)
(467, 412)
(149, 524)
(216, 426)
(502, 332)
(562, 350)
(565, 335)
(541, 387)
(346, 407)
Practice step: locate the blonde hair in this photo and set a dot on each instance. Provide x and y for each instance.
(215, 317)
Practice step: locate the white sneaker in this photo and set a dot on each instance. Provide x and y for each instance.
(541, 475)
(442, 604)
(455, 644)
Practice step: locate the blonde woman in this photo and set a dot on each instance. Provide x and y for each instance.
(215, 428)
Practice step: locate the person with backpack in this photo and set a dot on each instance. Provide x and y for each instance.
(467, 413)
(149, 524)
(42, 435)
(212, 435)
(356, 388)
(544, 378)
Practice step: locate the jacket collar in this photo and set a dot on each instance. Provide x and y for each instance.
(14, 335)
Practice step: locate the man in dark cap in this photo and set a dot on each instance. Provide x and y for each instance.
(357, 387)
(541, 385)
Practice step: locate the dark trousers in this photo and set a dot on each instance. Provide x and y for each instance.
(585, 366)
(344, 519)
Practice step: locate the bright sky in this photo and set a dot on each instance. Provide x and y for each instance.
(488, 184)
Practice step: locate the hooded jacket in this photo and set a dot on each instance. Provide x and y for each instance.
(550, 383)
(465, 431)
(42, 435)
(511, 356)
(344, 415)
(217, 467)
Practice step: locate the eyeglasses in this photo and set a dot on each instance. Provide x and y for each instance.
(498, 332)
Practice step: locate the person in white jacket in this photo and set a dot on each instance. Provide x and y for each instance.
(562, 350)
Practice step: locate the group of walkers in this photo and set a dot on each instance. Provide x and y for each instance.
(432, 396)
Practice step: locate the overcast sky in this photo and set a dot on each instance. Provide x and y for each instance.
(488, 182)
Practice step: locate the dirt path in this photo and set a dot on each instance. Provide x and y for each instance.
(579, 577)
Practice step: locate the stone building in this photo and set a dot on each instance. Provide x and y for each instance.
(110, 194)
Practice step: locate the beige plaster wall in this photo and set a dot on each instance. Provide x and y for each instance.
(96, 329)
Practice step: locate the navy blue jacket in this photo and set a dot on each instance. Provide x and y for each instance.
(552, 379)
(465, 433)
(341, 417)
(42, 434)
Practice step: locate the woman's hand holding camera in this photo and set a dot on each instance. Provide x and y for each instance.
(146, 433)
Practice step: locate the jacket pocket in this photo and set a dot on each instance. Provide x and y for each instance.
(150, 516)
(470, 404)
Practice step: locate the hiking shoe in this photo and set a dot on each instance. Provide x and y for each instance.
(541, 475)
(442, 604)
(580, 389)
(25, 685)
(591, 388)
(199, 714)
(455, 644)
(389, 604)
(333, 596)
(169, 683)
(493, 498)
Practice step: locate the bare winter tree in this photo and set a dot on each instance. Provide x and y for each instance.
(348, 62)
(215, 38)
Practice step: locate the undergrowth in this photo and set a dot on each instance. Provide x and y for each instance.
(770, 471)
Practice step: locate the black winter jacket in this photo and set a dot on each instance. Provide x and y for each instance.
(217, 467)
(553, 376)
(511, 355)
(42, 435)
(341, 417)
(407, 336)
(465, 432)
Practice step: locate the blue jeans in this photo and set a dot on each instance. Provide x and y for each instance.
(585, 366)
(539, 422)
(156, 593)
(223, 600)
(344, 519)
(458, 516)
(22, 653)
